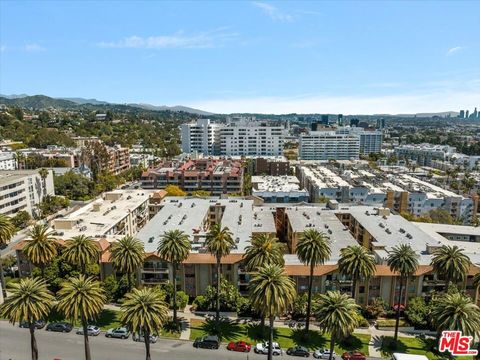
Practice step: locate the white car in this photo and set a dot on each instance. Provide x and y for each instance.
(139, 337)
(262, 348)
(92, 330)
(323, 354)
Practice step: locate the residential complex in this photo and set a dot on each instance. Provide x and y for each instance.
(217, 176)
(273, 165)
(329, 145)
(398, 191)
(279, 189)
(241, 138)
(23, 190)
(8, 161)
(370, 139)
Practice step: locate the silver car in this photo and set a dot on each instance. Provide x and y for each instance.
(323, 354)
(119, 333)
(92, 330)
(140, 337)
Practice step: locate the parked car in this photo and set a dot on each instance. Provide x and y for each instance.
(92, 330)
(39, 324)
(59, 327)
(240, 346)
(140, 337)
(354, 355)
(262, 348)
(323, 354)
(298, 351)
(207, 342)
(119, 333)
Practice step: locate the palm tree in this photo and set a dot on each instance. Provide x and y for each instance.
(272, 292)
(43, 174)
(476, 282)
(264, 250)
(80, 251)
(174, 247)
(7, 230)
(41, 248)
(337, 314)
(358, 263)
(404, 260)
(219, 242)
(313, 249)
(144, 312)
(29, 301)
(127, 255)
(452, 263)
(81, 298)
(456, 311)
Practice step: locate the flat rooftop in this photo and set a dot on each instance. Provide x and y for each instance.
(7, 176)
(282, 183)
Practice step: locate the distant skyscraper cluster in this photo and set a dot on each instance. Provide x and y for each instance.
(465, 114)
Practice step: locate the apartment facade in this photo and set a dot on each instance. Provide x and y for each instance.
(8, 161)
(370, 140)
(200, 137)
(217, 176)
(328, 145)
(23, 190)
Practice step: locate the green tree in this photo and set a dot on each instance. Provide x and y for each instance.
(272, 293)
(403, 260)
(81, 298)
(7, 230)
(174, 190)
(174, 247)
(41, 248)
(21, 219)
(144, 312)
(265, 249)
(455, 311)
(313, 249)
(80, 251)
(201, 193)
(337, 314)
(450, 262)
(74, 186)
(29, 301)
(127, 255)
(358, 263)
(219, 243)
(50, 204)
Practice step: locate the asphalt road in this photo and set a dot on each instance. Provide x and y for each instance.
(15, 345)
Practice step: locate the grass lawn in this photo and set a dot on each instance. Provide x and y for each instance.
(233, 331)
(391, 322)
(417, 345)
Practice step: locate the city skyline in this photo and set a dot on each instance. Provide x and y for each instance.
(258, 57)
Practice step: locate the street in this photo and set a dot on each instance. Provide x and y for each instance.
(15, 345)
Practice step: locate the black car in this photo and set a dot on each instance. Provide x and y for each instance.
(298, 351)
(39, 324)
(207, 342)
(59, 327)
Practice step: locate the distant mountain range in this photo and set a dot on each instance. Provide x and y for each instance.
(42, 102)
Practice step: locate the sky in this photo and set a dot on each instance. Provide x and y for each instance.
(247, 56)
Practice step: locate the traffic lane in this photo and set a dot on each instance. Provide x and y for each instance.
(15, 345)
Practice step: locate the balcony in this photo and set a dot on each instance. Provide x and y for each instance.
(153, 269)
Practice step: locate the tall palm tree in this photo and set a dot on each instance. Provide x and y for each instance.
(41, 248)
(272, 292)
(337, 314)
(452, 263)
(174, 247)
(476, 283)
(44, 174)
(127, 255)
(29, 301)
(313, 249)
(264, 250)
(219, 242)
(404, 260)
(358, 263)
(144, 312)
(81, 298)
(7, 230)
(81, 251)
(456, 312)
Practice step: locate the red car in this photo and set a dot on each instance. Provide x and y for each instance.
(354, 355)
(241, 346)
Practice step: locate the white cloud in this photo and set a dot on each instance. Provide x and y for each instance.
(391, 104)
(454, 50)
(34, 47)
(178, 40)
(273, 12)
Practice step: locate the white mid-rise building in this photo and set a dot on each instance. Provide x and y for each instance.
(329, 145)
(23, 190)
(370, 140)
(200, 137)
(8, 161)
